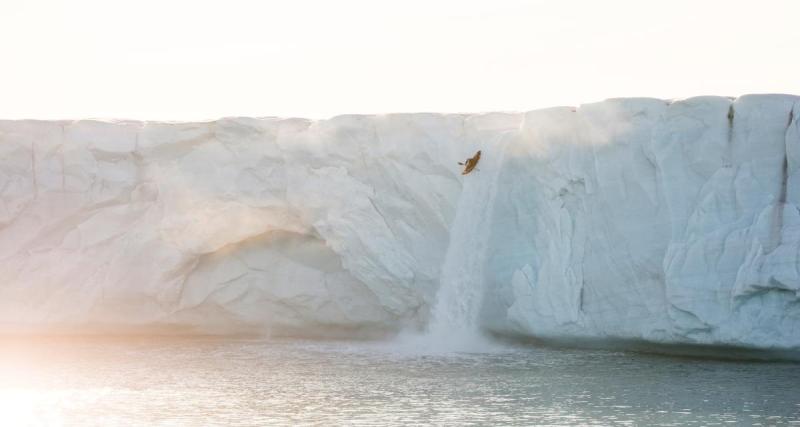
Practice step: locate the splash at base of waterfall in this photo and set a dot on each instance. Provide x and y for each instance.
(461, 341)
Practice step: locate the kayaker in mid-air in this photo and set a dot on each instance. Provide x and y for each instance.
(470, 163)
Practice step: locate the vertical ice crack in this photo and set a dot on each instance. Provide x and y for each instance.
(729, 161)
(61, 159)
(775, 236)
(33, 170)
(785, 166)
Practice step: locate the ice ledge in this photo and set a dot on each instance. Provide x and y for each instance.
(665, 221)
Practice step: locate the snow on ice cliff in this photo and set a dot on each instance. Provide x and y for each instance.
(673, 222)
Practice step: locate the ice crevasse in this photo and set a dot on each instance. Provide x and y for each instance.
(639, 219)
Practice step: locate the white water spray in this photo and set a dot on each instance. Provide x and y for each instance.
(454, 322)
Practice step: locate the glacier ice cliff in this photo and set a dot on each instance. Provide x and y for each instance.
(640, 219)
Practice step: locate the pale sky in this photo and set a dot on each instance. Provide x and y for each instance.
(203, 59)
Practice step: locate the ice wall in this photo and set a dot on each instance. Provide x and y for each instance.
(631, 218)
(229, 226)
(641, 219)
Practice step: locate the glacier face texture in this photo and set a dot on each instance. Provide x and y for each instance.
(640, 219)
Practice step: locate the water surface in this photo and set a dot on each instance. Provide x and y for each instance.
(202, 382)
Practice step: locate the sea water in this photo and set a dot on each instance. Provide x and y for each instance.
(196, 381)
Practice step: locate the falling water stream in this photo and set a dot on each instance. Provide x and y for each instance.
(454, 320)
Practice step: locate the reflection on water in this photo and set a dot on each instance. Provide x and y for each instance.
(254, 382)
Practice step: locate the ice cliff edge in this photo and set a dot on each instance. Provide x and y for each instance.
(643, 219)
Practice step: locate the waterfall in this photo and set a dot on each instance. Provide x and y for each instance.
(454, 320)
